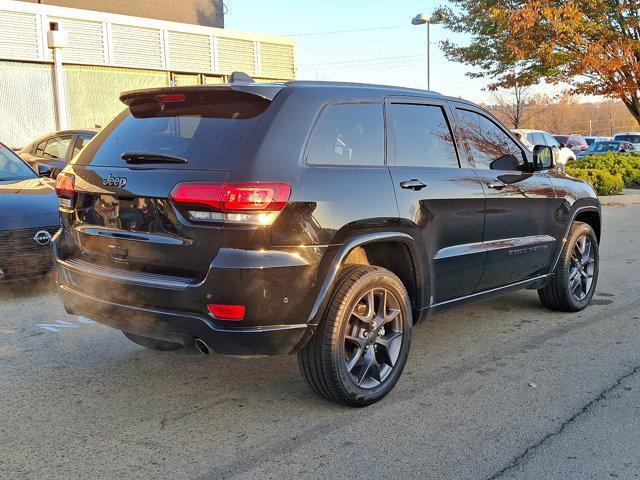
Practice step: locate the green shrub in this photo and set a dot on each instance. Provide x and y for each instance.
(604, 182)
(625, 165)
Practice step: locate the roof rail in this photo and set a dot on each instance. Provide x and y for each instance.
(240, 77)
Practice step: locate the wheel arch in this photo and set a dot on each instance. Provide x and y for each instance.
(373, 249)
(591, 217)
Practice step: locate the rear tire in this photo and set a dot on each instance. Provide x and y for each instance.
(574, 279)
(152, 343)
(362, 342)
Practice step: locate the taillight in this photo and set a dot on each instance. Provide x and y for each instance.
(227, 312)
(583, 148)
(66, 189)
(172, 97)
(255, 203)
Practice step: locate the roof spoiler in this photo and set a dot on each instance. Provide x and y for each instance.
(238, 82)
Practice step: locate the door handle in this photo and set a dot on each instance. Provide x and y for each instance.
(496, 185)
(413, 184)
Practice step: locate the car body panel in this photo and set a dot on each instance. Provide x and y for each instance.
(284, 274)
(28, 218)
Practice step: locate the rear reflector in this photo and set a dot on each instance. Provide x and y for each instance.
(227, 312)
(66, 189)
(248, 202)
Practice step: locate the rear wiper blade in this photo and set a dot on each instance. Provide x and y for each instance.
(144, 157)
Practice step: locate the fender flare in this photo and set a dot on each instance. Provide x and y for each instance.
(330, 278)
(572, 218)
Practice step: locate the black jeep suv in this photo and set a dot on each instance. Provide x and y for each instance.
(322, 219)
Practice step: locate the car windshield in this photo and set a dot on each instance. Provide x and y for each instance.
(12, 167)
(603, 147)
(628, 138)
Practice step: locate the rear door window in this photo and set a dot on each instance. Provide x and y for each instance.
(80, 143)
(57, 147)
(348, 134)
(549, 140)
(207, 129)
(422, 136)
(538, 139)
(489, 146)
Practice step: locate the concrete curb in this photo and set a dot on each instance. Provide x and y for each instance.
(627, 197)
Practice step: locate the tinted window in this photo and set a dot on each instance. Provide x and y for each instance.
(488, 144)
(348, 134)
(56, 148)
(11, 167)
(208, 129)
(628, 138)
(561, 139)
(80, 143)
(422, 137)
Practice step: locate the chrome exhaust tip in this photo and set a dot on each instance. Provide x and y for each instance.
(202, 346)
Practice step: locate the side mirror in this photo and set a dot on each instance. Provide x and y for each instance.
(44, 170)
(544, 157)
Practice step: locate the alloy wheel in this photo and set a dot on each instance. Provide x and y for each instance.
(582, 268)
(373, 338)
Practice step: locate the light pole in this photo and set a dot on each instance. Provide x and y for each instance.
(57, 40)
(421, 19)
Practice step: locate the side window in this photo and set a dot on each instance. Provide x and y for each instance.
(538, 139)
(549, 140)
(422, 137)
(57, 148)
(80, 143)
(39, 148)
(348, 134)
(489, 146)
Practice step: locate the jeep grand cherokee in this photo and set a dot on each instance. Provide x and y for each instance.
(311, 218)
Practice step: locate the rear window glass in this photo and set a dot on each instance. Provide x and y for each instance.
(627, 138)
(348, 134)
(208, 130)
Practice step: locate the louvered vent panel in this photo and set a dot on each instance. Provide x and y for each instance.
(136, 46)
(18, 35)
(236, 55)
(86, 41)
(189, 52)
(277, 61)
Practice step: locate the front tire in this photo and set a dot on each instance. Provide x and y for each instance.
(362, 342)
(152, 343)
(574, 279)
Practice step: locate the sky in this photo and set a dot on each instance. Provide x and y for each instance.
(363, 41)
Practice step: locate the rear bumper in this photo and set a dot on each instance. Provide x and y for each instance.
(184, 328)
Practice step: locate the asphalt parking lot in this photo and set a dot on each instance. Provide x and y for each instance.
(502, 389)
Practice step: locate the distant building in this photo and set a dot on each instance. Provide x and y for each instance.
(108, 53)
(208, 13)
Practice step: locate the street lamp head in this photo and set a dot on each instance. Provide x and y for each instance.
(420, 19)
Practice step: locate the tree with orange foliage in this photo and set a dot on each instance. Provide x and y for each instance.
(592, 45)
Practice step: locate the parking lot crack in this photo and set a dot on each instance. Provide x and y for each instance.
(584, 409)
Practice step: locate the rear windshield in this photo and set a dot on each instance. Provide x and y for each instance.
(561, 138)
(628, 138)
(208, 130)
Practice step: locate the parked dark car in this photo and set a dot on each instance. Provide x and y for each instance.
(56, 149)
(311, 218)
(599, 148)
(28, 219)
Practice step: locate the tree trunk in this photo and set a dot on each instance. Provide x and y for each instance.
(632, 102)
